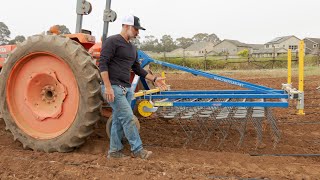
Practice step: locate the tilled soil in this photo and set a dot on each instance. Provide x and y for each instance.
(174, 160)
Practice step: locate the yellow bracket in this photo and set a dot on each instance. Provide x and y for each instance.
(146, 92)
(143, 104)
(163, 75)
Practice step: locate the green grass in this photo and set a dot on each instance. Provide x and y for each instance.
(217, 63)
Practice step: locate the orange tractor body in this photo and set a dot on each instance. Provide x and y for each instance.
(50, 87)
(4, 51)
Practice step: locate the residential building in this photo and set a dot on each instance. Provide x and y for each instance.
(312, 45)
(199, 49)
(176, 53)
(269, 52)
(231, 47)
(286, 42)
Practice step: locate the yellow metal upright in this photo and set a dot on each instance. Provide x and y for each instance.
(163, 74)
(289, 66)
(301, 78)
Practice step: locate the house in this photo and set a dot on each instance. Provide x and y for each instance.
(255, 47)
(176, 53)
(269, 52)
(154, 54)
(232, 47)
(312, 45)
(277, 46)
(286, 42)
(199, 49)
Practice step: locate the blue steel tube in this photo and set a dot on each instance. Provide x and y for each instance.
(259, 88)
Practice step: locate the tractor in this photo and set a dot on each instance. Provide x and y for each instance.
(51, 89)
(4, 51)
(51, 94)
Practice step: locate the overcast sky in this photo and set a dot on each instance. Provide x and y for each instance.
(249, 21)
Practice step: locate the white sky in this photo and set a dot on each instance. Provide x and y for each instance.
(249, 21)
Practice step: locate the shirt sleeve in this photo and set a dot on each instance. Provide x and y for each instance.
(107, 53)
(137, 69)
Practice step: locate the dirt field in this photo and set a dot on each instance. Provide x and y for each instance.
(300, 135)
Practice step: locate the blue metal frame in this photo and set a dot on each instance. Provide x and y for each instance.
(217, 96)
(254, 92)
(230, 104)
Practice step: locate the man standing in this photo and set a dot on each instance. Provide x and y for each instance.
(118, 57)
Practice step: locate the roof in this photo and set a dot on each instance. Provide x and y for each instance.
(199, 46)
(177, 50)
(256, 46)
(269, 51)
(237, 43)
(279, 40)
(315, 40)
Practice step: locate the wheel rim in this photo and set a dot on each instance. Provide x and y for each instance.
(42, 95)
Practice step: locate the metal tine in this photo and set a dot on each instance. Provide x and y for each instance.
(215, 121)
(257, 119)
(275, 131)
(240, 117)
(201, 120)
(185, 129)
(190, 113)
(257, 116)
(171, 112)
(185, 122)
(211, 122)
(243, 128)
(222, 117)
(225, 122)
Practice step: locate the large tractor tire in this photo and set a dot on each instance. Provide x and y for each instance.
(50, 94)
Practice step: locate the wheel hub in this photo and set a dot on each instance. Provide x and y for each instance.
(45, 95)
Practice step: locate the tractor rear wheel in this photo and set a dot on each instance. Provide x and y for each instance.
(51, 95)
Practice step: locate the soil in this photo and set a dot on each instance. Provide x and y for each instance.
(172, 159)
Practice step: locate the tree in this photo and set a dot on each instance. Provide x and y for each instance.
(63, 29)
(58, 29)
(150, 44)
(200, 37)
(184, 42)
(213, 38)
(4, 34)
(167, 43)
(205, 37)
(244, 53)
(17, 39)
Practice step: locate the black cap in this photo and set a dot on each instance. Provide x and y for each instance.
(137, 23)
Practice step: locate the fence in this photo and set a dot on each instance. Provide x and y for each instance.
(221, 62)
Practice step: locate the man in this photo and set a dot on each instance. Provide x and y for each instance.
(118, 57)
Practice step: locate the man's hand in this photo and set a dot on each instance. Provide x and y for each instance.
(109, 94)
(161, 84)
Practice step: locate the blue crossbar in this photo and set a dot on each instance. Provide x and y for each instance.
(231, 104)
(220, 92)
(146, 60)
(218, 96)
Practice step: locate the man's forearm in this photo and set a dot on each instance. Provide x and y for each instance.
(150, 77)
(105, 78)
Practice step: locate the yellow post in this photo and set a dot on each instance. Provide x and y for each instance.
(301, 78)
(163, 75)
(289, 66)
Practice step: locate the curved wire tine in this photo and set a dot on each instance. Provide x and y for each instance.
(241, 116)
(274, 127)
